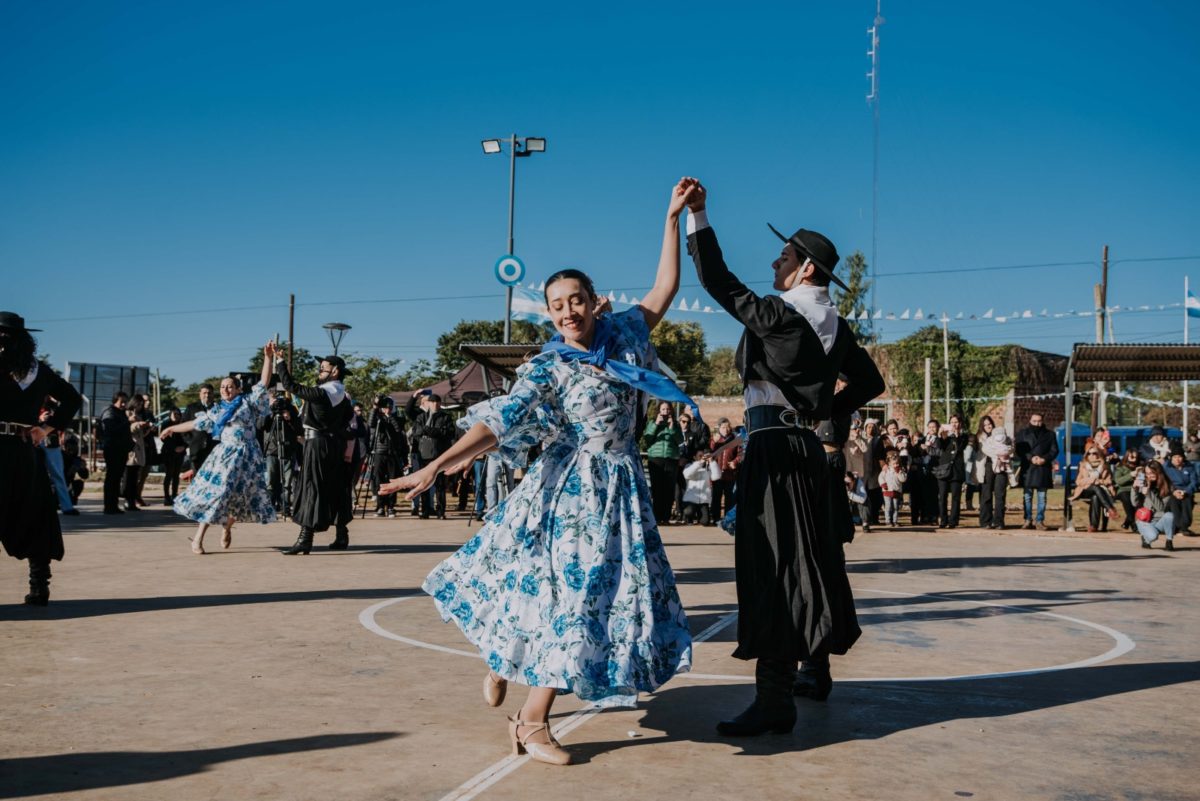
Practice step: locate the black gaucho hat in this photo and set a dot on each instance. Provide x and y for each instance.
(14, 322)
(814, 246)
(339, 363)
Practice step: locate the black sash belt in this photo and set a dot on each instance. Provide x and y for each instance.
(766, 418)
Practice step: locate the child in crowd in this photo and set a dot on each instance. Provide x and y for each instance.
(891, 481)
(697, 492)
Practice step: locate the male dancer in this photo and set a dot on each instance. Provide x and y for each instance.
(323, 497)
(29, 525)
(794, 598)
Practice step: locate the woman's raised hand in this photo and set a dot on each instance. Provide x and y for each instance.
(270, 350)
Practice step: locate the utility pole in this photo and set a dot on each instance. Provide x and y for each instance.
(946, 358)
(1100, 407)
(291, 328)
(928, 391)
(873, 100)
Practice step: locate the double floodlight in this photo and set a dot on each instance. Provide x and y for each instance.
(521, 147)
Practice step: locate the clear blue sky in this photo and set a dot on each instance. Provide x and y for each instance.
(167, 157)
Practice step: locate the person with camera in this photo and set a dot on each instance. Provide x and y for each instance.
(29, 526)
(389, 452)
(231, 485)
(1152, 493)
(1183, 480)
(282, 435)
(662, 439)
(432, 434)
(951, 471)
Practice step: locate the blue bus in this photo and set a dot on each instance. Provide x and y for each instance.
(1123, 439)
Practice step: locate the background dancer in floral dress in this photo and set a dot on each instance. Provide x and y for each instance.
(567, 586)
(232, 483)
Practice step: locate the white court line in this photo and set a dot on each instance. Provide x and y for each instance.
(494, 773)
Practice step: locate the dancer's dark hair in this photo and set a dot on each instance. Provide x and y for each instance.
(18, 354)
(570, 272)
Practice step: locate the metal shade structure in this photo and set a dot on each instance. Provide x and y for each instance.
(501, 360)
(1135, 362)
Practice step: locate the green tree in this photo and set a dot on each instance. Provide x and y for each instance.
(191, 393)
(851, 302)
(304, 363)
(370, 376)
(681, 347)
(485, 331)
(168, 393)
(725, 379)
(421, 374)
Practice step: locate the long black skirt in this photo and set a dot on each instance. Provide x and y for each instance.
(29, 527)
(794, 598)
(323, 496)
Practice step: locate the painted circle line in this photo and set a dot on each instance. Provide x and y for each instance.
(1123, 644)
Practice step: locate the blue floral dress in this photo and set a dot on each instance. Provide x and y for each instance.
(233, 479)
(567, 584)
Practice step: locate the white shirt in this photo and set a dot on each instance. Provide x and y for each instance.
(29, 377)
(813, 302)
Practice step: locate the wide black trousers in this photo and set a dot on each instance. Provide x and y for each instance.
(794, 598)
(29, 527)
(322, 499)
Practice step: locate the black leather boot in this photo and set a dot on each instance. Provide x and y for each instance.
(39, 582)
(302, 545)
(813, 680)
(773, 710)
(341, 539)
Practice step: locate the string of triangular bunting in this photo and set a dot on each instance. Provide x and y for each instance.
(532, 297)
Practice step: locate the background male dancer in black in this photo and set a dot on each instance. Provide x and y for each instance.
(794, 599)
(29, 526)
(322, 498)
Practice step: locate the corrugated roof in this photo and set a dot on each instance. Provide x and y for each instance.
(1136, 362)
(502, 359)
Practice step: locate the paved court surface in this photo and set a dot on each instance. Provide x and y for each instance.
(991, 667)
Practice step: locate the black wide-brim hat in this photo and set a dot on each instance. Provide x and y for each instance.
(14, 322)
(339, 363)
(816, 247)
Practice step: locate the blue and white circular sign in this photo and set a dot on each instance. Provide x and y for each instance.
(510, 270)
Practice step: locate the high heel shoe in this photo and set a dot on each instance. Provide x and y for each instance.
(550, 752)
(227, 539)
(302, 545)
(494, 689)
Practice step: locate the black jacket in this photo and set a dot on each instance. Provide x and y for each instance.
(114, 429)
(283, 436)
(1032, 442)
(780, 346)
(199, 443)
(388, 431)
(433, 434)
(950, 455)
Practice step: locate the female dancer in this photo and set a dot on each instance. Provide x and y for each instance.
(232, 483)
(567, 587)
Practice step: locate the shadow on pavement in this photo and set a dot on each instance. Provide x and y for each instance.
(959, 562)
(97, 607)
(863, 711)
(66, 773)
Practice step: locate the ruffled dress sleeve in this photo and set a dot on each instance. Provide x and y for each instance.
(206, 421)
(635, 338)
(258, 402)
(525, 416)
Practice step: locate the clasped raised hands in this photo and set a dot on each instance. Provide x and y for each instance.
(688, 192)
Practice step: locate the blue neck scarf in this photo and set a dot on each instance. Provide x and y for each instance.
(602, 354)
(228, 410)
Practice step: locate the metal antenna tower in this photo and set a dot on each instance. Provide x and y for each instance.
(873, 100)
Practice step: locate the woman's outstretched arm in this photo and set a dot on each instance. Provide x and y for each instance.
(666, 282)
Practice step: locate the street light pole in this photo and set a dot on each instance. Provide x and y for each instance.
(512, 196)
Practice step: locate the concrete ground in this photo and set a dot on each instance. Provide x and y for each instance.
(992, 666)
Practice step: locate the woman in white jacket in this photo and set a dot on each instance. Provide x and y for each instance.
(697, 491)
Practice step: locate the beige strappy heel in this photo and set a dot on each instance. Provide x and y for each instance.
(550, 752)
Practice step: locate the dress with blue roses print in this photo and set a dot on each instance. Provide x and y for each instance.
(233, 479)
(567, 584)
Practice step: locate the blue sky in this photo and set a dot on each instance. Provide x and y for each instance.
(163, 158)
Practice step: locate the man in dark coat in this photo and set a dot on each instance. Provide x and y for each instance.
(116, 441)
(29, 525)
(323, 498)
(432, 434)
(200, 445)
(1037, 448)
(794, 599)
(282, 438)
(389, 453)
(950, 471)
